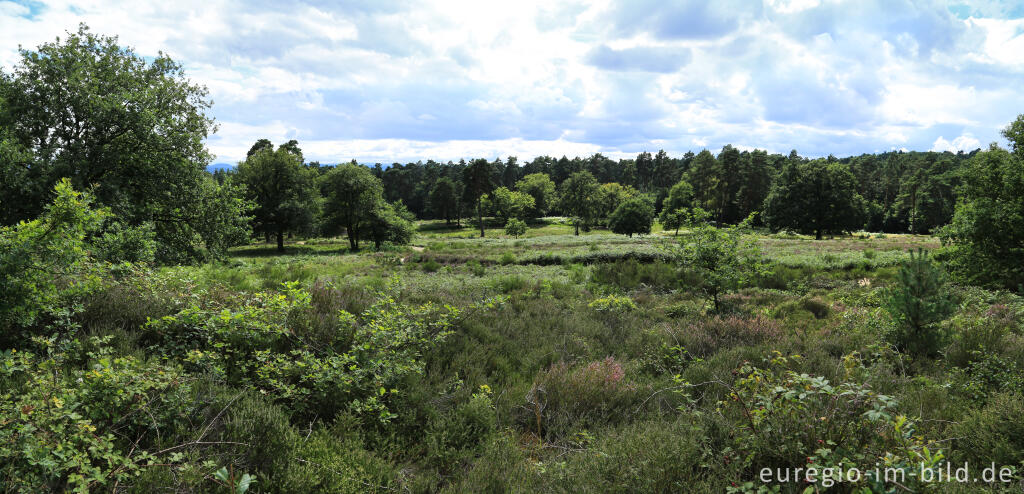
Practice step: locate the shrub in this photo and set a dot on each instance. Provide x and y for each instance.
(634, 216)
(652, 456)
(785, 419)
(81, 429)
(123, 243)
(476, 267)
(630, 274)
(515, 227)
(919, 301)
(709, 335)
(723, 260)
(430, 266)
(507, 258)
(564, 400)
(613, 303)
(977, 335)
(257, 345)
(453, 437)
(45, 263)
(994, 433)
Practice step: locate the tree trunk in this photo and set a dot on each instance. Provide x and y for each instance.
(577, 225)
(817, 235)
(480, 215)
(280, 241)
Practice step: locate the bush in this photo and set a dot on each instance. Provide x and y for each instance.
(709, 335)
(45, 263)
(785, 419)
(430, 266)
(261, 344)
(630, 274)
(613, 304)
(919, 301)
(122, 243)
(993, 434)
(653, 456)
(564, 400)
(634, 216)
(68, 428)
(515, 227)
(454, 437)
(977, 335)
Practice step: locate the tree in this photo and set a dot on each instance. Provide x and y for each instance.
(354, 196)
(540, 187)
(919, 301)
(282, 190)
(579, 198)
(816, 197)
(260, 145)
(984, 243)
(515, 227)
(610, 196)
(680, 198)
(724, 259)
(634, 216)
(444, 198)
(508, 204)
(102, 116)
(389, 223)
(479, 180)
(704, 177)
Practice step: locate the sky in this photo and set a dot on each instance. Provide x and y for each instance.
(398, 81)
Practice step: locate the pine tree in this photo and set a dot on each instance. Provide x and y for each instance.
(919, 302)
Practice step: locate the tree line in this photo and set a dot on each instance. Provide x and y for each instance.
(130, 131)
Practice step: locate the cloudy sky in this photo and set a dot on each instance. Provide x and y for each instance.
(383, 80)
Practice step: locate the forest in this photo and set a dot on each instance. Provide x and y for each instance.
(655, 324)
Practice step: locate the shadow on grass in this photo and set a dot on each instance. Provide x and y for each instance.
(292, 250)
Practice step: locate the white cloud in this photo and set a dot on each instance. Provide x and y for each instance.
(448, 79)
(965, 142)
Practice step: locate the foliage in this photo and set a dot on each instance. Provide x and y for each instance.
(45, 263)
(445, 199)
(613, 304)
(478, 177)
(515, 227)
(610, 196)
(79, 428)
(99, 114)
(790, 419)
(919, 301)
(634, 216)
(354, 195)
(564, 400)
(985, 239)
(507, 204)
(389, 223)
(818, 197)
(540, 187)
(724, 259)
(120, 242)
(579, 196)
(270, 344)
(679, 199)
(282, 190)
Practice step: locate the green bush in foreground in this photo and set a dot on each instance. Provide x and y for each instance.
(919, 301)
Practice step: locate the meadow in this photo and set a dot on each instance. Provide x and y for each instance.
(575, 364)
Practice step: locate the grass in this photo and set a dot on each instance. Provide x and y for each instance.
(600, 369)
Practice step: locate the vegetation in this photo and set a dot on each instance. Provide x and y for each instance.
(149, 345)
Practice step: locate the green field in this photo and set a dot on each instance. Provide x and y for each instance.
(587, 363)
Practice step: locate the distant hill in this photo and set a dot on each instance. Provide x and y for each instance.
(219, 166)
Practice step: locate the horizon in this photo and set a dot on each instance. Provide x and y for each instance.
(388, 82)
